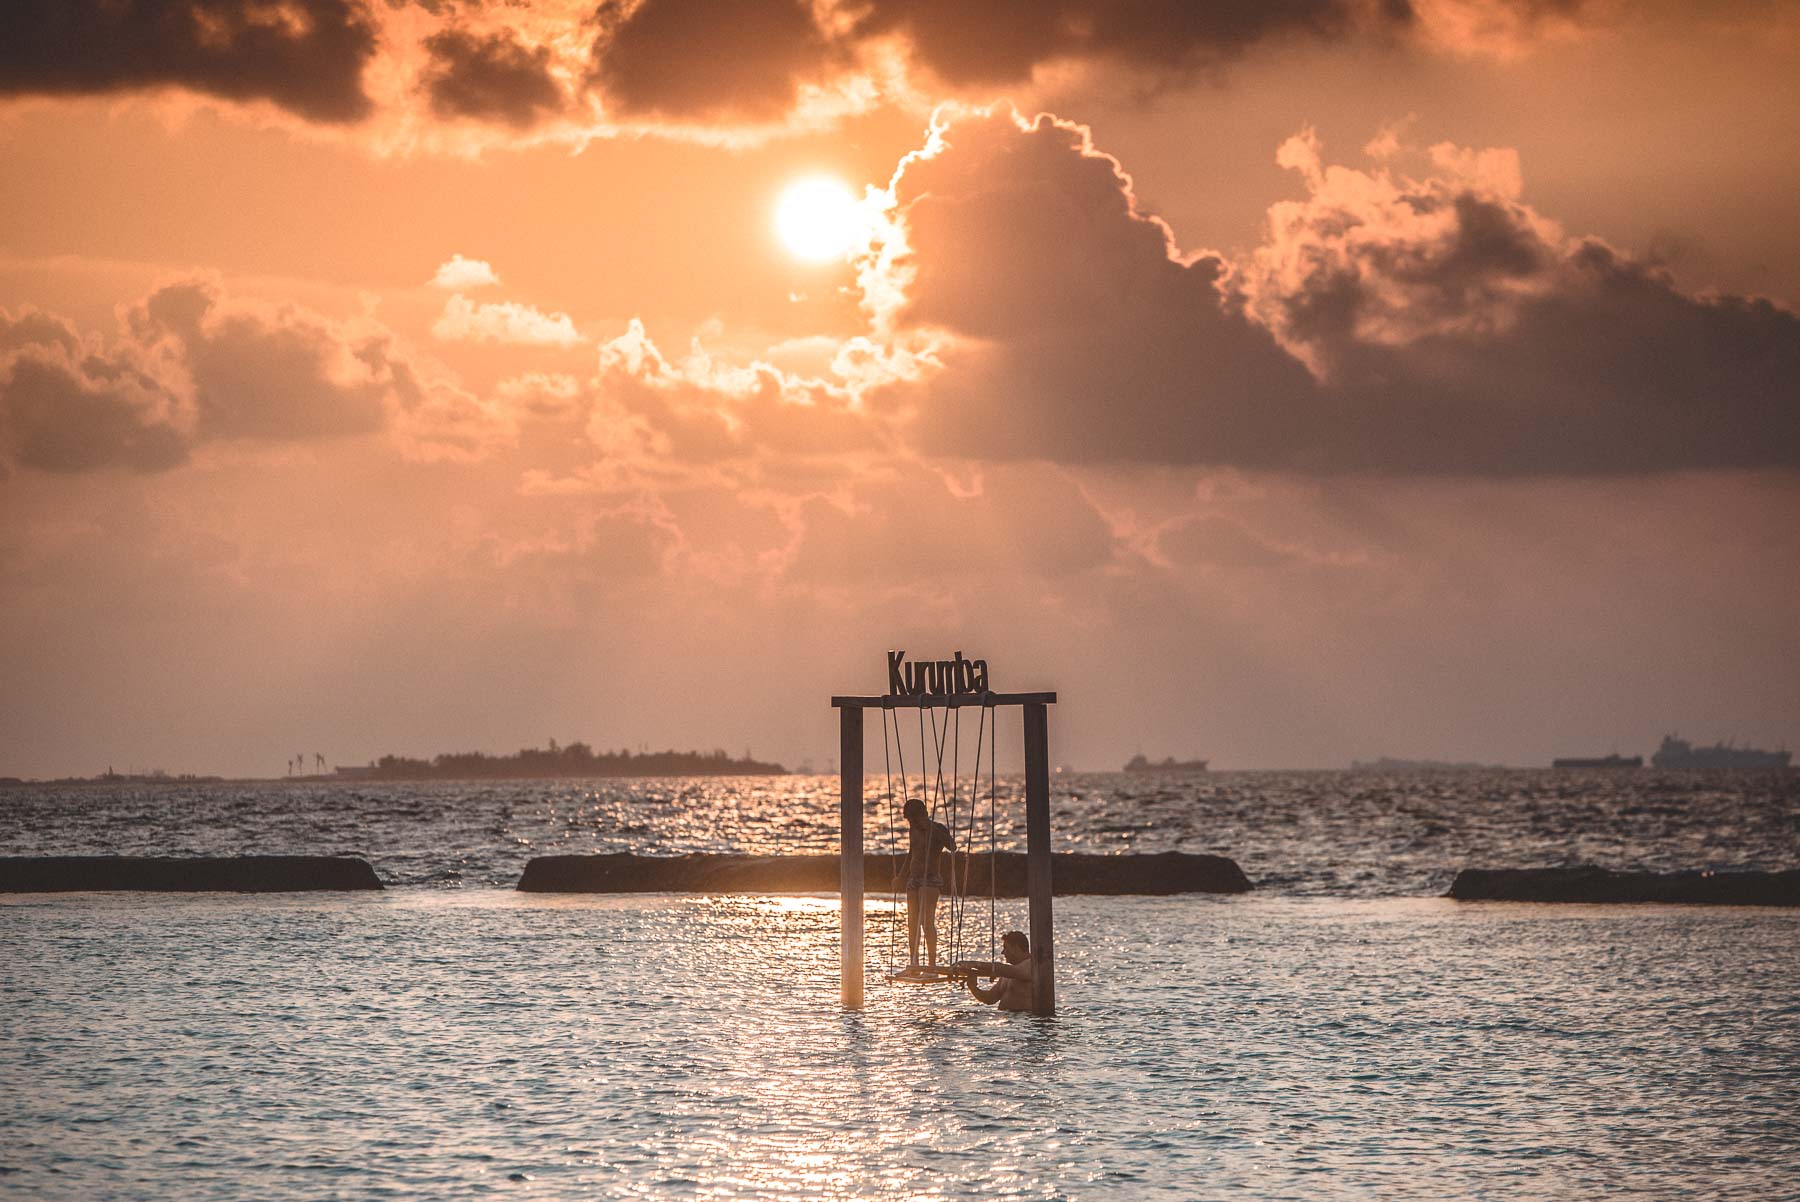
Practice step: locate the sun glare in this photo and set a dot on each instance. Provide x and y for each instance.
(817, 219)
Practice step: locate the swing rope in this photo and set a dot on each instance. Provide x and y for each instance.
(966, 843)
(961, 826)
(985, 737)
(937, 799)
(887, 768)
(993, 842)
(958, 884)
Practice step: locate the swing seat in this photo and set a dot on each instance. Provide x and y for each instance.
(920, 974)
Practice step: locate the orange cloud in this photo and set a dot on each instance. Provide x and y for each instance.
(490, 77)
(68, 406)
(1447, 326)
(503, 321)
(457, 274)
(306, 56)
(196, 365)
(462, 77)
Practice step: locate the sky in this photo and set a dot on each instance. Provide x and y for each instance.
(1282, 383)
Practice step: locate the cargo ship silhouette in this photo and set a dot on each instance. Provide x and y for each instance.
(1138, 763)
(1615, 760)
(1679, 753)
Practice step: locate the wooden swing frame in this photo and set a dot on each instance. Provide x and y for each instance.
(1037, 830)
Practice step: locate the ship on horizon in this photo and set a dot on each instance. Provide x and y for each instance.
(1388, 763)
(1679, 753)
(1615, 760)
(1138, 763)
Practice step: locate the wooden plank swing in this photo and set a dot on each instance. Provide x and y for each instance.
(950, 685)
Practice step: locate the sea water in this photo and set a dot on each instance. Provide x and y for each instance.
(1337, 834)
(1338, 1033)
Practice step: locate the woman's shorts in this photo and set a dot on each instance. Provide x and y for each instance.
(924, 880)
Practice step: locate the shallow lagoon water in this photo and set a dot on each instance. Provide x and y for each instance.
(472, 1042)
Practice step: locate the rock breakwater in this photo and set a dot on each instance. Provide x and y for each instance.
(1070, 872)
(185, 874)
(1591, 884)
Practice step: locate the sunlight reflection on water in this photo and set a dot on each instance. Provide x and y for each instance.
(442, 1042)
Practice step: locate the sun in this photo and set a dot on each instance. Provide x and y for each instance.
(817, 219)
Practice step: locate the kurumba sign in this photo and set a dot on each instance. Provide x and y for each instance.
(939, 677)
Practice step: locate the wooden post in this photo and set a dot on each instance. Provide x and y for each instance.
(850, 856)
(1037, 856)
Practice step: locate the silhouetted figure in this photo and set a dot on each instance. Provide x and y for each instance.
(1011, 988)
(924, 878)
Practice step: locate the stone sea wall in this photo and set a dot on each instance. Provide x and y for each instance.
(177, 874)
(1590, 884)
(1070, 872)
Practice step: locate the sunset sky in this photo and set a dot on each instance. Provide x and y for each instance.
(1283, 383)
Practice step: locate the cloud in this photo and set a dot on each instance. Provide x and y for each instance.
(460, 77)
(986, 44)
(1076, 330)
(458, 274)
(503, 321)
(491, 77)
(196, 365)
(262, 372)
(307, 56)
(904, 525)
(67, 407)
(1382, 259)
(543, 394)
(690, 59)
(1454, 329)
(698, 409)
(1216, 541)
(1391, 324)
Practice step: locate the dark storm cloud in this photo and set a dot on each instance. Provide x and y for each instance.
(1450, 329)
(1002, 42)
(706, 58)
(305, 55)
(490, 78)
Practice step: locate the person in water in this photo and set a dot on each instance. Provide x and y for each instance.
(924, 878)
(1011, 989)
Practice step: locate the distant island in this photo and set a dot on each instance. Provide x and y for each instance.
(1389, 764)
(575, 760)
(156, 776)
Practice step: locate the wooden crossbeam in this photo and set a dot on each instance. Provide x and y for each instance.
(941, 700)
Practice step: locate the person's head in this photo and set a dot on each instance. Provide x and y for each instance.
(915, 812)
(1015, 947)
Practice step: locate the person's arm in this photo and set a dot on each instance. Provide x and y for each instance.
(988, 994)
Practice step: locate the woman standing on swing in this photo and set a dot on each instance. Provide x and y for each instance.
(924, 878)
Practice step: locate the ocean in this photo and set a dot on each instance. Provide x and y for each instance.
(1341, 1032)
